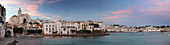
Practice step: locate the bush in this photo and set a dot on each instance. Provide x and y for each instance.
(36, 23)
(73, 31)
(17, 30)
(34, 31)
(31, 31)
(38, 31)
(96, 25)
(85, 31)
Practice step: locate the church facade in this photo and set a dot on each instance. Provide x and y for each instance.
(19, 18)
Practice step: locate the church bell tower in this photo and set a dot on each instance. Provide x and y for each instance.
(19, 12)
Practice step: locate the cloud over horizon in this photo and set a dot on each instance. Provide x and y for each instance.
(154, 8)
(30, 7)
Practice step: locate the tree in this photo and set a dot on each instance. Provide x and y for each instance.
(85, 31)
(116, 25)
(39, 31)
(167, 26)
(163, 26)
(36, 23)
(73, 31)
(31, 31)
(17, 30)
(30, 22)
(96, 25)
(91, 24)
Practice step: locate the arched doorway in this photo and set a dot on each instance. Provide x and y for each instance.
(24, 21)
(61, 32)
(8, 34)
(67, 32)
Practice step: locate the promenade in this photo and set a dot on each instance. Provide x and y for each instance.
(3, 41)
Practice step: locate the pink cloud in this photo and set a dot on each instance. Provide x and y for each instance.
(116, 17)
(54, 1)
(160, 8)
(46, 17)
(30, 7)
(146, 9)
(119, 12)
(5, 2)
(150, 7)
(169, 10)
(112, 17)
(38, 2)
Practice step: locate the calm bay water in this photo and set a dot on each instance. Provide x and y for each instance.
(112, 39)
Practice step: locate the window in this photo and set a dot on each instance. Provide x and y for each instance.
(53, 30)
(49, 25)
(1, 19)
(46, 29)
(46, 25)
(49, 29)
(64, 29)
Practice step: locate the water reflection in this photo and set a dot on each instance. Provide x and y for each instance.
(112, 39)
(77, 37)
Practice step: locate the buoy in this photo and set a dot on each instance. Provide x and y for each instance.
(145, 41)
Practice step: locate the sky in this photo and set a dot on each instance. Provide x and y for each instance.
(124, 12)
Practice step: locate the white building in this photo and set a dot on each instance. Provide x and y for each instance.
(152, 29)
(91, 27)
(68, 27)
(58, 27)
(49, 27)
(2, 21)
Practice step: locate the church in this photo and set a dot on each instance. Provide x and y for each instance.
(19, 18)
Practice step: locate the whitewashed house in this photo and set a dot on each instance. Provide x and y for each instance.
(68, 27)
(2, 21)
(49, 27)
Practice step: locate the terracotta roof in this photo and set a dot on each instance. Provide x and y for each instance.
(15, 25)
(33, 27)
(39, 25)
(14, 16)
(90, 21)
(99, 22)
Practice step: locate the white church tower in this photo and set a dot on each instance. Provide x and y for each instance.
(19, 12)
